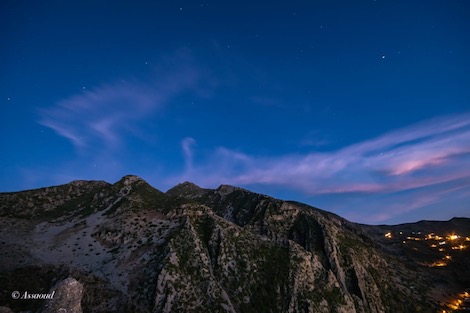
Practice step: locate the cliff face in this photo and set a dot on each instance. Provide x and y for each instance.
(136, 249)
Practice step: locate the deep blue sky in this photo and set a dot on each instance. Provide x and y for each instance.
(361, 108)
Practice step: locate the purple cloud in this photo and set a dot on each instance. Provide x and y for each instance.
(427, 154)
(434, 202)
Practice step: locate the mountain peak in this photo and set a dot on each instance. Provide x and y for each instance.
(186, 190)
(189, 184)
(130, 179)
(228, 189)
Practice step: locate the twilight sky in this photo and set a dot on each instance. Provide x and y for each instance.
(361, 108)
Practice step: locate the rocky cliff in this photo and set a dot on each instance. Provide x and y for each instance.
(136, 249)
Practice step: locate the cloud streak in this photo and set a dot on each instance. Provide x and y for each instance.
(187, 147)
(423, 155)
(100, 117)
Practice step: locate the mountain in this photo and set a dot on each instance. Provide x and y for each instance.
(128, 247)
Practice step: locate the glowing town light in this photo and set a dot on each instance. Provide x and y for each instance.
(453, 237)
(438, 264)
(388, 235)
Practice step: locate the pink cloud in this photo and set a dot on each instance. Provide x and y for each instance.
(423, 155)
(383, 209)
(413, 165)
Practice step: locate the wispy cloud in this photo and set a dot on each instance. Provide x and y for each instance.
(101, 116)
(426, 154)
(187, 147)
(430, 202)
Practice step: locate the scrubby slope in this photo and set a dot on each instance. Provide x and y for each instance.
(136, 249)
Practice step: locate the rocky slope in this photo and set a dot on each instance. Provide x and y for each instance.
(136, 249)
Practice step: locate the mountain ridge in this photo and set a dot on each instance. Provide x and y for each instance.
(189, 248)
(188, 184)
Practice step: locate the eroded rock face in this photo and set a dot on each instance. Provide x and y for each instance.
(67, 297)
